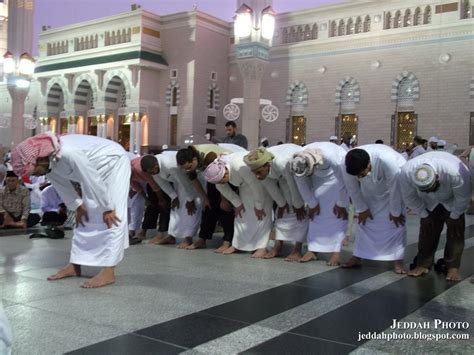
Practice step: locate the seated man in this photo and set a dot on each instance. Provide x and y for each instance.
(54, 210)
(15, 204)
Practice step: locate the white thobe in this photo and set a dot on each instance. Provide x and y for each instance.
(181, 224)
(282, 188)
(379, 192)
(326, 188)
(418, 150)
(454, 191)
(249, 232)
(102, 168)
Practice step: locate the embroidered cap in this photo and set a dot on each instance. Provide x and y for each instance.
(424, 177)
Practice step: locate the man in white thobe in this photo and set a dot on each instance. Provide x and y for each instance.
(371, 179)
(318, 173)
(252, 204)
(186, 205)
(271, 166)
(102, 169)
(437, 186)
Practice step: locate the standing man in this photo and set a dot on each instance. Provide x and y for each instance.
(433, 144)
(234, 137)
(334, 139)
(371, 178)
(417, 147)
(102, 168)
(272, 168)
(346, 142)
(437, 186)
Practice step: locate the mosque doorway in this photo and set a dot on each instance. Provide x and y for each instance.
(298, 130)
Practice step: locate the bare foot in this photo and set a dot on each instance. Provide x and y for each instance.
(68, 271)
(453, 274)
(105, 277)
(309, 256)
(294, 256)
(166, 240)
(198, 244)
(276, 250)
(352, 262)
(334, 260)
(229, 251)
(260, 253)
(418, 271)
(398, 267)
(188, 241)
(225, 245)
(155, 239)
(345, 241)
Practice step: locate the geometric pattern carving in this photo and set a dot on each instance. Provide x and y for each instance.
(348, 90)
(297, 94)
(406, 86)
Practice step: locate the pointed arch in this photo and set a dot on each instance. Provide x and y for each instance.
(404, 77)
(355, 90)
(297, 87)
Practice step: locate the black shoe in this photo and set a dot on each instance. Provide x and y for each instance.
(134, 241)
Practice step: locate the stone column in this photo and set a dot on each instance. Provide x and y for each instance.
(18, 96)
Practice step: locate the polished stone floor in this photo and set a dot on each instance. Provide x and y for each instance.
(196, 302)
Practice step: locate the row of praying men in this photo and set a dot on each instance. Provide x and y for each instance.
(312, 187)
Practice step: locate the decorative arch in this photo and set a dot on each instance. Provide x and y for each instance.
(213, 91)
(388, 20)
(427, 15)
(350, 26)
(397, 20)
(169, 92)
(61, 81)
(407, 18)
(405, 76)
(355, 90)
(93, 84)
(297, 87)
(367, 23)
(119, 73)
(341, 29)
(417, 20)
(358, 25)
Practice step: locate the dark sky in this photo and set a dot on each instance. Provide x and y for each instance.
(58, 13)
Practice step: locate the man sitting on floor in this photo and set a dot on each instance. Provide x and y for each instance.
(15, 204)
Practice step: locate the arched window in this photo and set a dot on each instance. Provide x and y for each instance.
(113, 40)
(300, 33)
(358, 25)
(332, 29)
(307, 33)
(350, 27)
(293, 34)
(417, 17)
(314, 32)
(397, 20)
(407, 18)
(174, 97)
(107, 38)
(465, 9)
(211, 98)
(367, 24)
(427, 15)
(124, 36)
(129, 35)
(388, 20)
(341, 30)
(284, 35)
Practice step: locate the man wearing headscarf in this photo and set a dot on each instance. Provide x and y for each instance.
(252, 204)
(437, 186)
(102, 168)
(371, 178)
(318, 173)
(272, 168)
(433, 143)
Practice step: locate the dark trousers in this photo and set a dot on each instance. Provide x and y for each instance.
(32, 220)
(53, 218)
(153, 210)
(430, 232)
(210, 217)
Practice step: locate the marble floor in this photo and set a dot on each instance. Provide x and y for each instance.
(173, 301)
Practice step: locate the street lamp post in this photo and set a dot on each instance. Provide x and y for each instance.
(18, 74)
(253, 30)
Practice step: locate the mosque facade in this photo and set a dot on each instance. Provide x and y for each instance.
(374, 70)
